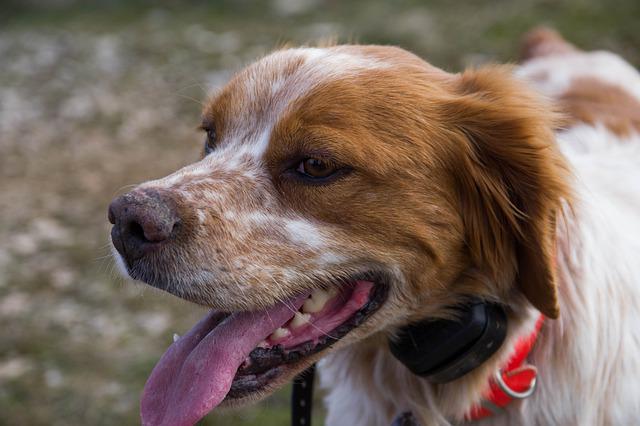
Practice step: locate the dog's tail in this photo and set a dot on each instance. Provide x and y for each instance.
(543, 41)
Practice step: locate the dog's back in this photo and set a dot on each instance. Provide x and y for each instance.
(589, 355)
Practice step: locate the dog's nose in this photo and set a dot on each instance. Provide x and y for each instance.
(142, 221)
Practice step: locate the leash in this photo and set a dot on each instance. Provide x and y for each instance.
(302, 400)
(302, 397)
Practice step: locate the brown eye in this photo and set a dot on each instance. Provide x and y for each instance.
(210, 140)
(314, 168)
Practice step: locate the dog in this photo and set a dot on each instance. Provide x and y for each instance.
(346, 192)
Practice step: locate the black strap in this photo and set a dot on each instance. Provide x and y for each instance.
(302, 397)
(302, 400)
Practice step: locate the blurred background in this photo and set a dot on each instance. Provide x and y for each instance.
(98, 95)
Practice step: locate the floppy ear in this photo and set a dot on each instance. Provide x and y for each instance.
(512, 183)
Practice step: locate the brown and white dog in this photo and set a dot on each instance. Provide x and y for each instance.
(350, 190)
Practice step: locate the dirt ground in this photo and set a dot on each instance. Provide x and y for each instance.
(96, 96)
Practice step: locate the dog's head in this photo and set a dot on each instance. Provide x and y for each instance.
(343, 192)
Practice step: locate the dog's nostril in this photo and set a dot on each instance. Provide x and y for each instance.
(137, 231)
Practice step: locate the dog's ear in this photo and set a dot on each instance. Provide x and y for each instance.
(512, 182)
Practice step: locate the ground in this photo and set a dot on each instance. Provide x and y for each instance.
(99, 96)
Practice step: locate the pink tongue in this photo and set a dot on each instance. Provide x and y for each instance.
(196, 372)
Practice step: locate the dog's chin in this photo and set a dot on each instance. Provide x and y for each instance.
(234, 358)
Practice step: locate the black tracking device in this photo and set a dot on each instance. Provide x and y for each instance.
(444, 350)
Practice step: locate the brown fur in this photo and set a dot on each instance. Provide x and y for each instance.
(592, 101)
(511, 182)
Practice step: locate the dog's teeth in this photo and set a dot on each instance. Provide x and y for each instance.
(176, 337)
(299, 320)
(280, 333)
(317, 300)
(263, 344)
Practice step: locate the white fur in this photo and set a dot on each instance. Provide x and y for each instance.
(304, 232)
(120, 265)
(560, 70)
(589, 373)
(202, 216)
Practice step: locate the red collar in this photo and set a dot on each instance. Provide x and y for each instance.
(515, 380)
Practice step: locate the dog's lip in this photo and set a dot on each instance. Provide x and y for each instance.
(200, 370)
(250, 379)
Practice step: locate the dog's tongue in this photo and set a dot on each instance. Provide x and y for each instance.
(196, 372)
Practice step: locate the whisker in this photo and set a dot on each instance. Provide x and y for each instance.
(123, 188)
(199, 102)
(194, 84)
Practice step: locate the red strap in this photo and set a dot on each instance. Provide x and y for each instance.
(516, 377)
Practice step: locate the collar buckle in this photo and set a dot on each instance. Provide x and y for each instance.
(503, 384)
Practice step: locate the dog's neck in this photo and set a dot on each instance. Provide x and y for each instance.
(370, 369)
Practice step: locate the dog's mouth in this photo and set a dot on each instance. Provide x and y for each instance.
(227, 357)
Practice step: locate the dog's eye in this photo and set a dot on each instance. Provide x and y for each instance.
(315, 169)
(210, 140)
